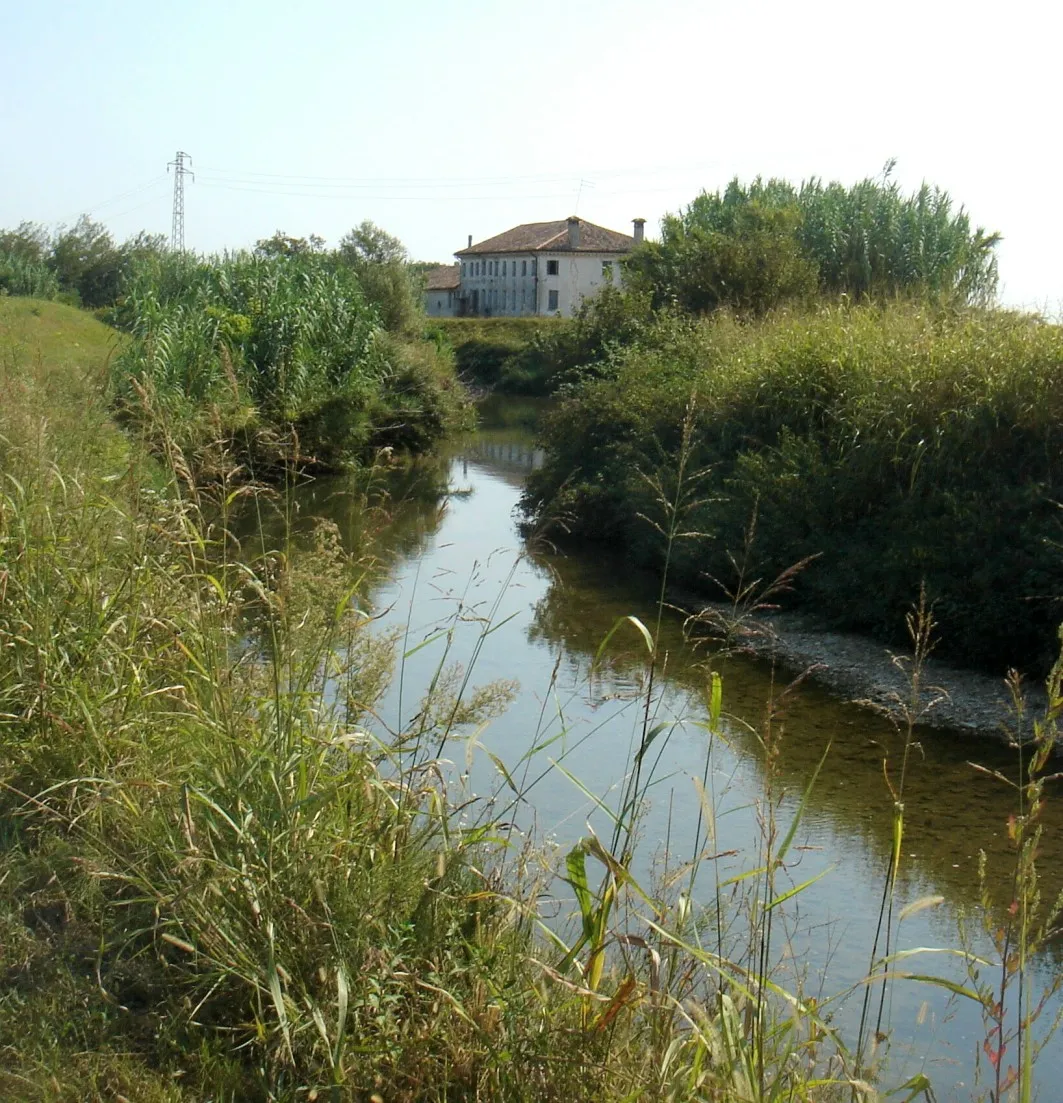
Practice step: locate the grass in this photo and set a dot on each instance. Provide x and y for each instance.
(216, 883)
(900, 446)
(283, 359)
(485, 349)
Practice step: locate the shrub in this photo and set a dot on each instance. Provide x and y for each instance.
(257, 346)
(903, 446)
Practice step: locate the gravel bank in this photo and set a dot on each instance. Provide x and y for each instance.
(870, 674)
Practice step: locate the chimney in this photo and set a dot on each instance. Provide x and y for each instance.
(470, 241)
(640, 228)
(573, 232)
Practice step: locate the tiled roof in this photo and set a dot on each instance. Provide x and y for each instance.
(552, 237)
(444, 278)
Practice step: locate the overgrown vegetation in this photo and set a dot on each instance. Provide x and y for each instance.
(488, 351)
(290, 354)
(82, 264)
(282, 356)
(858, 402)
(749, 249)
(753, 247)
(901, 446)
(217, 883)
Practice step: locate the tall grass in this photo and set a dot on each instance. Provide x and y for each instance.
(217, 882)
(254, 349)
(25, 276)
(901, 446)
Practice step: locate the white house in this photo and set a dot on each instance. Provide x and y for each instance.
(442, 291)
(541, 267)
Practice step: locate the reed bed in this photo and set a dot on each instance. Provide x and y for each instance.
(258, 351)
(901, 446)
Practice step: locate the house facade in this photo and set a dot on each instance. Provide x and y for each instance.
(541, 268)
(442, 291)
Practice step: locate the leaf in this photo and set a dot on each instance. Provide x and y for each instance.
(785, 845)
(584, 790)
(576, 864)
(715, 702)
(342, 1003)
(798, 888)
(620, 998)
(650, 737)
(501, 767)
(619, 623)
(919, 905)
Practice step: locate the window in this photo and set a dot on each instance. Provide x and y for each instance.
(463, 268)
(513, 300)
(551, 268)
(535, 265)
(494, 268)
(552, 298)
(503, 268)
(523, 267)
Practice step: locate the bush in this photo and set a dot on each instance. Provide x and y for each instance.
(903, 446)
(483, 347)
(257, 346)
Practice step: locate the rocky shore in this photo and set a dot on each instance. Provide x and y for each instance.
(879, 677)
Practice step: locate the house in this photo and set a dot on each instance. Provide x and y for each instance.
(442, 289)
(541, 267)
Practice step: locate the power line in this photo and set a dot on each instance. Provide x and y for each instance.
(177, 233)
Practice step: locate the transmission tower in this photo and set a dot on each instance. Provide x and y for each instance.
(180, 171)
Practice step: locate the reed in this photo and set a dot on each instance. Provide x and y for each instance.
(222, 877)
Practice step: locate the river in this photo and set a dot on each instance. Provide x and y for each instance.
(456, 560)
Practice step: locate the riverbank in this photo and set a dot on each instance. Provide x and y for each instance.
(216, 883)
(865, 672)
(229, 869)
(885, 451)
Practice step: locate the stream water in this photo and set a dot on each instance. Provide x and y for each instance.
(458, 562)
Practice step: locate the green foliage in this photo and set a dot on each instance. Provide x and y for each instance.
(388, 281)
(732, 250)
(485, 347)
(20, 275)
(756, 246)
(282, 245)
(82, 264)
(215, 883)
(558, 354)
(262, 347)
(904, 446)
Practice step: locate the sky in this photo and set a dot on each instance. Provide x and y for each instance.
(437, 120)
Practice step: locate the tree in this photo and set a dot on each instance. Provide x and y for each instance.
(281, 245)
(390, 284)
(730, 250)
(367, 243)
(29, 241)
(756, 245)
(86, 260)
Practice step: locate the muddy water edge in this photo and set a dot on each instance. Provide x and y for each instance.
(453, 558)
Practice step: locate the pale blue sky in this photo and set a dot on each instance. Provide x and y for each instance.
(440, 119)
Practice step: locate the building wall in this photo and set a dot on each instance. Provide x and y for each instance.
(512, 284)
(501, 285)
(441, 304)
(579, 276)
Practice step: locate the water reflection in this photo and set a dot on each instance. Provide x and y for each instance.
(450, 549)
